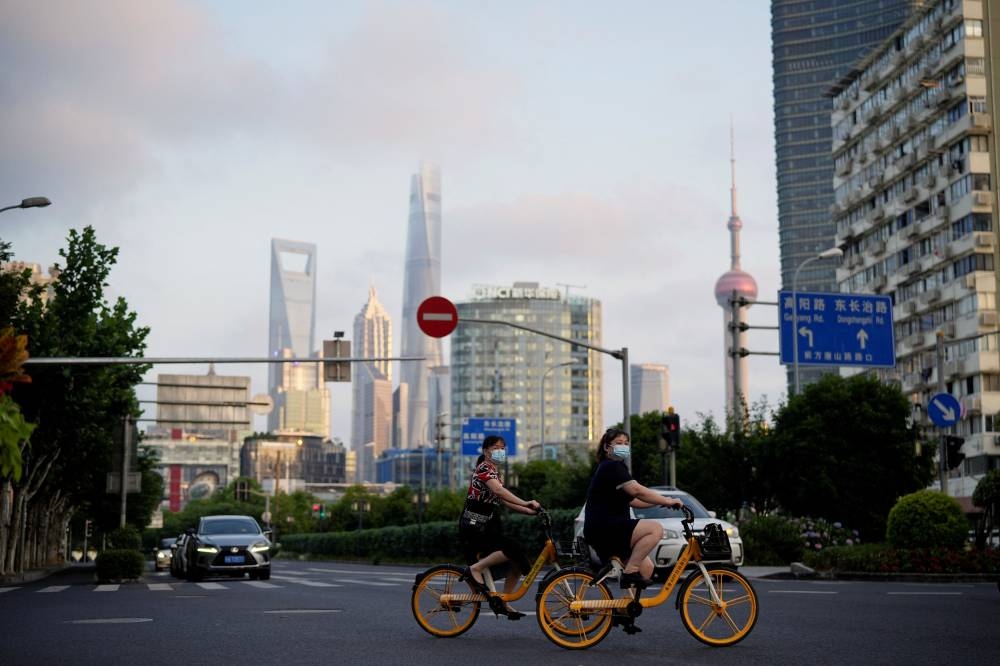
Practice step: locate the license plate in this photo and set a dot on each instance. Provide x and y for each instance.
(234, 559)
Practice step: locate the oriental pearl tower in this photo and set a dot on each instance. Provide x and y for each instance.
(737, 281)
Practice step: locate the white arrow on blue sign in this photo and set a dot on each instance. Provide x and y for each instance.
(944, 410)
(836, 329)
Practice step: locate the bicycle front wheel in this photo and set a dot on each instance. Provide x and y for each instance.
(442, 604)
(574, 630)
(721, 623)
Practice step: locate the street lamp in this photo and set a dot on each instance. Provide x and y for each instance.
(30, 202)
(825, 254)
(541, 400)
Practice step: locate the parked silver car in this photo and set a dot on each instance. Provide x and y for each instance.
(666, 553)
(227, 545)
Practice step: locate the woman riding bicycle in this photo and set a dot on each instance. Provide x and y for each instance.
(608, 525)
(480, 530)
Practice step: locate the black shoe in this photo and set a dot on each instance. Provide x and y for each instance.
(512, 614)
(635, 580)
(476, 585)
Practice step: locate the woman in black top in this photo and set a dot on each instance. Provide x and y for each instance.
(482, 503)
(608, 524)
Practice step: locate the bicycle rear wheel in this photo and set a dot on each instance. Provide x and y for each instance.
(444, 618)
(718, 624)
(573, 630)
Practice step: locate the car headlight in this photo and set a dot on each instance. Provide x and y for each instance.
(161, 555)
(260, 547)
(732, 532)
(207, 548)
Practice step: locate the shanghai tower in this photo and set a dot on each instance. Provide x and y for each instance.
(422, 278)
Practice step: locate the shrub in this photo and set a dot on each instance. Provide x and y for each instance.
(771, 540)
(120, 565)
(927, 519)
(125, 538)
(884, 559)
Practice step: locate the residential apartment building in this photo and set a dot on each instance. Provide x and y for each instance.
(915, 159)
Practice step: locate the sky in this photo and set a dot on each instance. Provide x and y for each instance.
(583, 143)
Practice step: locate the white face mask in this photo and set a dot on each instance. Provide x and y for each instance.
(621, 451)
(498, 455)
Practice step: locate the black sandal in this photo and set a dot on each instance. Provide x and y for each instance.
(476, 585)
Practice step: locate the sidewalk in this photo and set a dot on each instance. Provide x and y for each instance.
(75, 573)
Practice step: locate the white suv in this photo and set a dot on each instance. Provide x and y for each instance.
(666, 553)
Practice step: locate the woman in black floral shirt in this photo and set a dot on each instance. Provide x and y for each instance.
(480, 530)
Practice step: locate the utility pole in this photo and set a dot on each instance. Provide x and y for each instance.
(126, 441)
(942, 439)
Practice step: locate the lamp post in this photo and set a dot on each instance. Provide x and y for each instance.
(541, 400)
(825, 254)
(30, 202)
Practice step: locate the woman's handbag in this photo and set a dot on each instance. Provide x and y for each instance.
(475, 516)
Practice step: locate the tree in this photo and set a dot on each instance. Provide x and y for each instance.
(76, 408)
(844, 450)
(553, 483)
(987, 496)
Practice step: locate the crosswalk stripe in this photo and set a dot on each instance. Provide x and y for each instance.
(53, 588)
(260, 583)
(159, 587)
(368, 582)
(9, 589)
(107, 588)
(212, 586)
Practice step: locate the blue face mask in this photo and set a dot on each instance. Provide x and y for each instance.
(498, 455)
(621, 451)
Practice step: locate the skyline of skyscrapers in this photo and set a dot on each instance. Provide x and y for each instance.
(814, 43)
(421, 279)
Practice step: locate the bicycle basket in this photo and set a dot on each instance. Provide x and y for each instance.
(714, 543)
(575, 550)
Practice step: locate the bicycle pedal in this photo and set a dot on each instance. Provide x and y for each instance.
(631, 629)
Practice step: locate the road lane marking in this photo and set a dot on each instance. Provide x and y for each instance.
(260, 583)
(940, 594)
(212, 586)
(366, 582)
(801, 592)
(8, 589)
(107, 588)
(53, 588)
(159, 587)
(308, 583)
(113, 620)
(303, 611)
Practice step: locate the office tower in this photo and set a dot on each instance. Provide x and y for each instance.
(301, 399)
(814, 44)
(649, 388)
(422, 278)
(734, 284)
(371, 386)
(915, 210)
(552, 388)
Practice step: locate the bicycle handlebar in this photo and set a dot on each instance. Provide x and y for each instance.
(687, 520)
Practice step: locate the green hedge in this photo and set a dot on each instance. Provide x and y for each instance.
(431, 542)
(884, 559)
(120, 565)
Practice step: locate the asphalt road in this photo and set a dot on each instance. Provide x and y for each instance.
(336, 613)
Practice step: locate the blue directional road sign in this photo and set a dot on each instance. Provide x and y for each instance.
(837, 329)
(944, 410)
(475, 430)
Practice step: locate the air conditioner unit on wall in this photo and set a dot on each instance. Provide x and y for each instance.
(988, 318)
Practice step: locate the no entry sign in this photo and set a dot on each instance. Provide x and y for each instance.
(437, 316)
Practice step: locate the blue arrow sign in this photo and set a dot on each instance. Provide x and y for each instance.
(944, 410)
(836, 329)
(475, 430)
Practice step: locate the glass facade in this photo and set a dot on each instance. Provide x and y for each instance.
(814, 44)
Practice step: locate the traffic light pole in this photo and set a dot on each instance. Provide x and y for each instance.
(737, 351)
(620, 354)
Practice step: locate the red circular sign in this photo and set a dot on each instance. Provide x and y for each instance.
(437, 316)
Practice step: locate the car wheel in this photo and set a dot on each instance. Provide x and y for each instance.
(194, 574)
(264, 574)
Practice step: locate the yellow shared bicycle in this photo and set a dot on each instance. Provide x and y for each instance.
(718, 605)
(445, 605)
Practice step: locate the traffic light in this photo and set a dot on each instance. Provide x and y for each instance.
(670, 430)
(319, 510)
(954, 450)
(88, 528)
